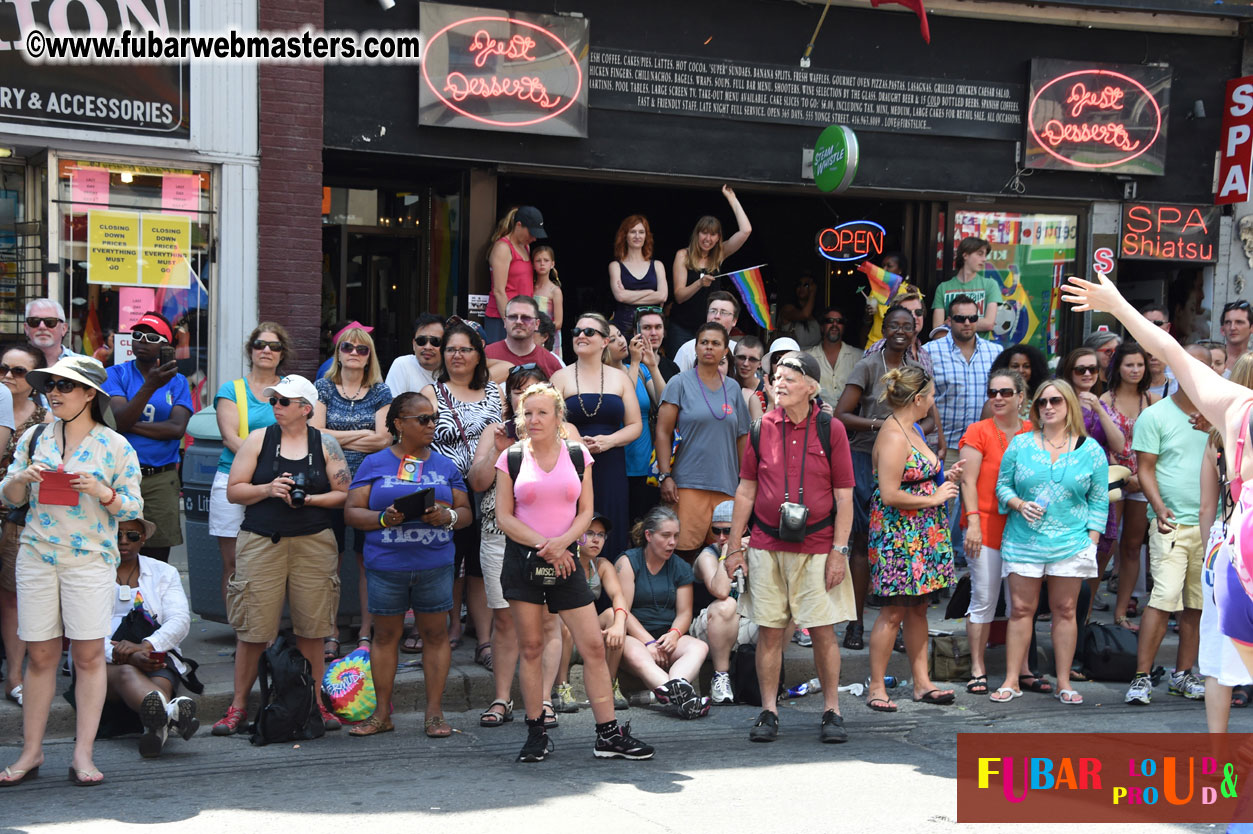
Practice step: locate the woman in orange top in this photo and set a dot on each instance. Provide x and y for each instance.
(982, 447)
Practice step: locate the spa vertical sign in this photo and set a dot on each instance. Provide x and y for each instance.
(486, 69)
(1100, 118)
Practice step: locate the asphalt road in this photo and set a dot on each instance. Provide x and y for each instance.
(895, 775)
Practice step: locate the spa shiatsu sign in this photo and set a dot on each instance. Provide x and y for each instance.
(485, 69)
(1102, 118)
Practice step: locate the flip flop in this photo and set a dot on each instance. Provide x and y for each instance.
(16, 777)
(15, 695)
(935, 698)
(1013, 693)
(80, 778)
(881, 705)
(977, 685)
(412, 644)
(1069, 697)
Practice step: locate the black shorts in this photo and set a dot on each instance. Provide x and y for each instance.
(569, 593)
(467, 543)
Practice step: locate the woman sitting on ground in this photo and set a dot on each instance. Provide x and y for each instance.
(658, 592)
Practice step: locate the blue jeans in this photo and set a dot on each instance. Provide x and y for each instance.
(393, 592)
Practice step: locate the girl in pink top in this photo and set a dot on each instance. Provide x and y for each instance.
(510, 261)
(543, 513)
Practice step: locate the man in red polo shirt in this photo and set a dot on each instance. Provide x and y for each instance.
(796, 564)
(519, 348)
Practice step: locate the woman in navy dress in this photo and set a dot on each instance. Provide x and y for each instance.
(601, 403)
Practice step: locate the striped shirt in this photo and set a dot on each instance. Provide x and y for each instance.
(960, 384)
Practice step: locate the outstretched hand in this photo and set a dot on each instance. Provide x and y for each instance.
(1098, 296)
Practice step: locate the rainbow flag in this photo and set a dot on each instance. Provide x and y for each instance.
(752, 288)
(883, 284)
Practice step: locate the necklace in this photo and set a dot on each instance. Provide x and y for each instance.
(726, 405)
(133, 574)
(1059, 446)
(356, 395)
(1004, 436)
(600, 398)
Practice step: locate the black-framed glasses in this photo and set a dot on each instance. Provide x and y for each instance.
(150, 338)
(831, 321)
(971, 319)
(65, 386)
(423, 419)
(517, 369)
(720, 531)
(423, 341)
(284, 401)
(895, 326)
(1056, 401)
(129, 535)
(1159, 322)
(47, 321)
(589, 331)
(748, 360)
(458, 350)
(1006, 393)
(347, 348)
(1085, 370)
(262, 344)
(17, 371)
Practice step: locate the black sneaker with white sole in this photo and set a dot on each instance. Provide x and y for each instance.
(538, 744)
(621, 745)
(183, 717)
(766, 728)
(156, 721)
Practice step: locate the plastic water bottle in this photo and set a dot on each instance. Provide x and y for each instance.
(802, 689)
(643, 699)
(889, 682)
(737, 584)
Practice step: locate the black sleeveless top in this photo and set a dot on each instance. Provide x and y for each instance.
(272, 517)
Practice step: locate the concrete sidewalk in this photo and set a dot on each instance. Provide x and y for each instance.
(470, 686)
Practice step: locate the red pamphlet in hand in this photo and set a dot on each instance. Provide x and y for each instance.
(55, 488)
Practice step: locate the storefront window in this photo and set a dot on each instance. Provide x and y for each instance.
(134, 238)
(1031, 256)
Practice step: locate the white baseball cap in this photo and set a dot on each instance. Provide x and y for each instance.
(294, 386)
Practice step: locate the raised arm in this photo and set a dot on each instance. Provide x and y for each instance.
(743, 227)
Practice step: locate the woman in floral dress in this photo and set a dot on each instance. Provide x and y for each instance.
(911, 553)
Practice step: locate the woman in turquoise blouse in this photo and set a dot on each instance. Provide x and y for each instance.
(1054, 485)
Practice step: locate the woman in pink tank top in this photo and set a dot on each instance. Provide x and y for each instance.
(1222, 403)
(510, 261)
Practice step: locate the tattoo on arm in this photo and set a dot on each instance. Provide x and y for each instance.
(337, 466)
(331, 448)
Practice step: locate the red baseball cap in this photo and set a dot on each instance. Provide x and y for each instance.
(155, 324)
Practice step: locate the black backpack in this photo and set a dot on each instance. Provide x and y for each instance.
(289, 696)
(1109, 653)
(515, 459)
(823, 423)
(744, 675)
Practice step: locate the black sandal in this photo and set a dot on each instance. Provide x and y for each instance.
(1032, 683)
(977, 685)
(549, 715)
(483, 655)
(1240, 696)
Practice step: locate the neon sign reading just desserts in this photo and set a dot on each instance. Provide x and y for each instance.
(1091, 104)
(459, 90)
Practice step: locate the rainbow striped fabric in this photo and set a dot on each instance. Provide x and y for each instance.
(883, 284)
(752, 288)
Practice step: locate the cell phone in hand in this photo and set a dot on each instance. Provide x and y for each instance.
(165, 355)
(157, 657)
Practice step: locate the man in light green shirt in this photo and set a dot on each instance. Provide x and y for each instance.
(972, 255)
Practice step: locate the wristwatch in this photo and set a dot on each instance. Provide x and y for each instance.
(661, 477)
(841, 550)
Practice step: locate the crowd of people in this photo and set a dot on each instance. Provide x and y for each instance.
(679, 489)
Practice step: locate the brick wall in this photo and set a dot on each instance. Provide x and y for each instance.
(289, 219)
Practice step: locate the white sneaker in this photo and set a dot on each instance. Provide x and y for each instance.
(1188, 685)
(182, 716)
(1140, 691)
(154, 716)
(720, 690)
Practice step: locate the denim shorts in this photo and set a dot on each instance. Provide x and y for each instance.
(863, 489)
(393, 592)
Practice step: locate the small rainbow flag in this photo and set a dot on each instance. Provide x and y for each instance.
(752, 289)
(883, 284)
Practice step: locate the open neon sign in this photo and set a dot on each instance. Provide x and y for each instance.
(1096, 118)
(851, 241)
(511, 61)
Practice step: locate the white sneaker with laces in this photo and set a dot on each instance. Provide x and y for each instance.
(720, 689)
(1140, 691)
(1188, 685)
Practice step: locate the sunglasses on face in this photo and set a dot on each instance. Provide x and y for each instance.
(1159, 322)
(1006, 393)
(423, 341)
(150, 338)
(1055, 402)
(262, 344)
(47, 321)
(129, 535)
(748, 360)
(520, 318)
(833, 321)
(347, 348)
(589, 332)
(423, 419)
(284, 401)
(65, 386)
(721, 531)
(964, 319)
(1085, 370)
(18, 372)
